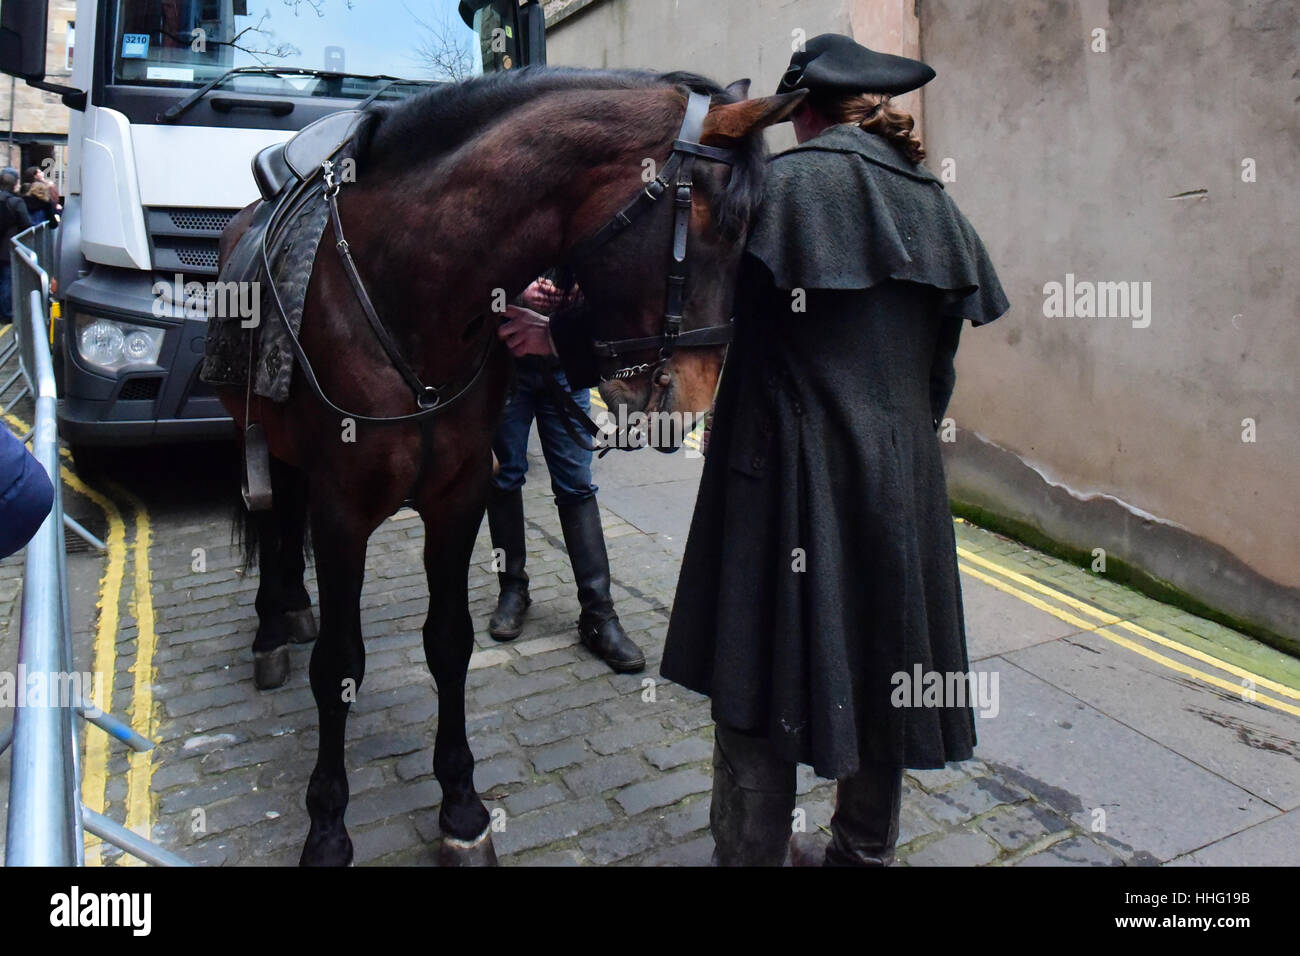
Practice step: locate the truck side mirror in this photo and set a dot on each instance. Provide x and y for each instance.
(533, 25)
(22, 38)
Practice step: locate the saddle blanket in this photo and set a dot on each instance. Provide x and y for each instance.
(292, 253)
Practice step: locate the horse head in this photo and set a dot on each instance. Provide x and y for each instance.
(660, 349)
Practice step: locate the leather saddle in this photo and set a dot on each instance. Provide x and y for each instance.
(287, 164)
(279, 171)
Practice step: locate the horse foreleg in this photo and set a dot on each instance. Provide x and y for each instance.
(448, 642)
(337, 667)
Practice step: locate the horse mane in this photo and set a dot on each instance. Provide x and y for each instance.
(437, 122)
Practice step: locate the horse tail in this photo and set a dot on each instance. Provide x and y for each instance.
(245, 533)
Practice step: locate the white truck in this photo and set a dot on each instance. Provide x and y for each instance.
(170, 102)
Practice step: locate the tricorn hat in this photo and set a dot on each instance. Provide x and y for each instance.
(836, 64)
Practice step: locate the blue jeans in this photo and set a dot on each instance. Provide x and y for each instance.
(568, 462)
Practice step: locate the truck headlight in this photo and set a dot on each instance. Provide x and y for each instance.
(112, 346)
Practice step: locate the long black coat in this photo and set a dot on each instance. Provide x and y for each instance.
(821, 558)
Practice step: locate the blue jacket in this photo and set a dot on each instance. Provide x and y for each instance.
(26, 494)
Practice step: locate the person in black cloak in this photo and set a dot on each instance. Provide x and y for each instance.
(821, 561)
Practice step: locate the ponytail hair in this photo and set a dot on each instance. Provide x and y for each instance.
(873, 113)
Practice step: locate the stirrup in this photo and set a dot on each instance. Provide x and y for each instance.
(256, 484)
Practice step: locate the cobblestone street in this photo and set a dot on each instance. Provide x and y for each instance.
(1113, 711)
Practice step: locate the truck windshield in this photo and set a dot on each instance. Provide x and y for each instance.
(192, 42)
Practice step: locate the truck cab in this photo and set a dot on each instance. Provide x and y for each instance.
(168, 111)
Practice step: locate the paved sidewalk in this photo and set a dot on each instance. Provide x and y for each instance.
(1098, 754)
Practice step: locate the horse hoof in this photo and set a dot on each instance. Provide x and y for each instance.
(271, 668)
(330, 851)
(300, 626)
(476, 852)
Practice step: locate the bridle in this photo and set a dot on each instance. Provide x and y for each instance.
(681, 161)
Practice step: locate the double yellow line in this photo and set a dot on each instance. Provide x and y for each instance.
(94, 776)
(1100, 622)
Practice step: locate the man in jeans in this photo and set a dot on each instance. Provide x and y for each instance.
(569, 463)
(14, 218)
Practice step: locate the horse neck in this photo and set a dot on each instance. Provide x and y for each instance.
(510, 203)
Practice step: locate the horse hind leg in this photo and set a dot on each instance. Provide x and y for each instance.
(448, 643)
(283, 605)
(299, 622)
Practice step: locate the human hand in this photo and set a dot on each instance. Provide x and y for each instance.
(525, 332)
(544, 295)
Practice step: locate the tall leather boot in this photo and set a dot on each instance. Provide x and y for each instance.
(506, 524)
(598, 625)
(864, 828)
(753, 801)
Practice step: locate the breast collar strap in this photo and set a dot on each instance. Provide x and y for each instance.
(676, 172)
(430, 400)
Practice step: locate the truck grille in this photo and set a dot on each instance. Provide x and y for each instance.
(184, 239)
(140, 389)
(207, 221)
(197, 256)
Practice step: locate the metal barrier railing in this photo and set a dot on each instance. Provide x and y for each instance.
(46, 817)
(31, 251)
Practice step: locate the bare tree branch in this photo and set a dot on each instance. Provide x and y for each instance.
(441, 49)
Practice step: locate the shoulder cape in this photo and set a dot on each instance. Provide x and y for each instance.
(846, 211)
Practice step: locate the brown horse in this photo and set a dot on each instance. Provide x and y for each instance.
(462, 197)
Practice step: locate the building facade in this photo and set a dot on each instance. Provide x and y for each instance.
(35, 123)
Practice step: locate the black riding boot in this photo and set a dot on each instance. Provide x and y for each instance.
(598, 625)
(506, 524)
(753, 801)
(865, 826)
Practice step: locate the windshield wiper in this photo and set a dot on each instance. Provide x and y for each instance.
(388, 86)
(178, 110)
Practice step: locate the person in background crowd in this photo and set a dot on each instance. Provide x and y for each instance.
(569, 463)
(40, 207)
(33, 174)
(13, 220)
(821, 562)
(26, 494)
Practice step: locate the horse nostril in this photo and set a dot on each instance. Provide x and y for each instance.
(664, 380)
(472, 329)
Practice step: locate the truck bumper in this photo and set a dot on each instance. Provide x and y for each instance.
(143, 405)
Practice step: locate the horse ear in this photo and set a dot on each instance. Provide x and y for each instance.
(739, 89)
(737, 120)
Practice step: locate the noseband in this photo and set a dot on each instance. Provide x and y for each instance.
(681, 162)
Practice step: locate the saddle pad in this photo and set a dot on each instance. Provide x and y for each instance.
(292, 255)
